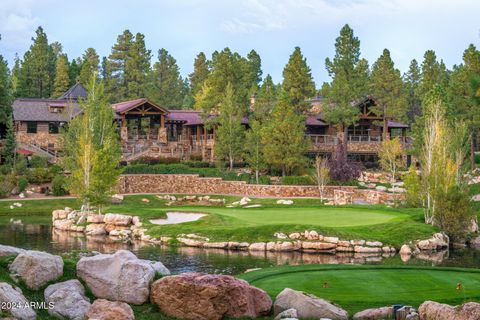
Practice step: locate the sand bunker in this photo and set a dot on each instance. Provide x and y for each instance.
(178, 217)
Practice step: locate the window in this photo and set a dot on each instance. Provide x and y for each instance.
(31, 127)
(53, 127)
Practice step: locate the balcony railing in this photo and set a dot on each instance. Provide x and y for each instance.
(364, 138)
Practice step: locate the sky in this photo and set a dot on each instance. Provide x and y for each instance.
(272, 27)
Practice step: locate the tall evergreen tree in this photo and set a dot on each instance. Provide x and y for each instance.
(36, 74)
(254, 70)
(166, 85)
(349, 81)
(412, 80)
(266, 97)
(433, 73)
(62, 80)
(461, 93)
(115, 68)
(199, 74)
(74, 71)
(284, 138)
(387, 87)
(90, 65)
(230, 132)
(137, 68)
(226, 67)
(254, 148)
(298, 83)
(15, 74)
(5, 92)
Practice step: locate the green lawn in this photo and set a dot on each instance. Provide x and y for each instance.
(391, 226)
(356, 288)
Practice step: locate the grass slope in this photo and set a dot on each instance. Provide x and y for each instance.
(391, 226)
(355, 288)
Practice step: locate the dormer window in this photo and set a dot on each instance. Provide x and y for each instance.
(56, 108)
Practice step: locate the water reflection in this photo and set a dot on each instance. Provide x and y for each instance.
(40, 236)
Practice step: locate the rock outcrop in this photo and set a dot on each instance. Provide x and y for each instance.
(36, 268)
(15, 303)
(102, 309)
(431, 310)
(307, 306)
(374, 314)
(68, 300)
(200, 296)
(119, 277)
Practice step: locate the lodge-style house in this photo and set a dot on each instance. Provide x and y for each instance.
(149, 130)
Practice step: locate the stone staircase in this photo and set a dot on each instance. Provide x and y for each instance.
(50, 154)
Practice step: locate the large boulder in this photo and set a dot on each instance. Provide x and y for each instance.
(374, 314)
(119, 277)
(200, 296)
(431, 310)
(37, 268)
(68, 300)
(110, 310)
(9, 251)
(14, 303)
(439, 241)
(307, 306)
(117, 219)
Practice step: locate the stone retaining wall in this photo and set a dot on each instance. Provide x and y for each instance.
(193, 184)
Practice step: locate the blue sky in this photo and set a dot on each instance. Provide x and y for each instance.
(271, 27)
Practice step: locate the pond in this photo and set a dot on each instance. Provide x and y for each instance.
(37, 234)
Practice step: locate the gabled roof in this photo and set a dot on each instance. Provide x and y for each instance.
(125, 106)
(38, 110)
(76, 91)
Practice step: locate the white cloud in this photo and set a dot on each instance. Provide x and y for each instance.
(17, 24)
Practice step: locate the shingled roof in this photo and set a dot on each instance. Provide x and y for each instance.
(38, 110)
(190, 117)
(76, 91)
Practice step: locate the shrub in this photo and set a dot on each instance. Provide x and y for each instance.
(153, 161)
(454, 213)
(22, 184)
(21, 166)
(55, 169)
(7, 185)
(341, 169)
(59, 186)
(198, 164)
(5, 169)
(38, 162)
(39, 175)
(297, 180)
(262, 180)
(196, 158)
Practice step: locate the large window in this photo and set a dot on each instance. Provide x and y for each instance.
(31, 127)
(53, 127)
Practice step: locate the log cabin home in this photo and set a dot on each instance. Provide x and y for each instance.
(149, 130)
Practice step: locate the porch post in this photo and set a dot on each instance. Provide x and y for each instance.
(123, 128)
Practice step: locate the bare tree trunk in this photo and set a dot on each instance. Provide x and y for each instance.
(257, 176)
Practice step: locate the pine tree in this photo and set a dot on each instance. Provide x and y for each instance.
(226, 67)
(349, 81)
(254, 71)
(230, 132)
(298, 83)
(9, 149)
(137, 68)
(266, 97)
(62, 80)
(166, 85)
(199, 74)
(115, 67)
(15, 75)
(433, 73)
(254, 148)
(89, 66)
(284, 138)
(388, 90)
(412, 82)
(74, 71)
(36, 74)
(92, 150)
(461, 92)
(6, 96)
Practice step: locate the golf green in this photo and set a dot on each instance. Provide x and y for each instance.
(360, 287)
